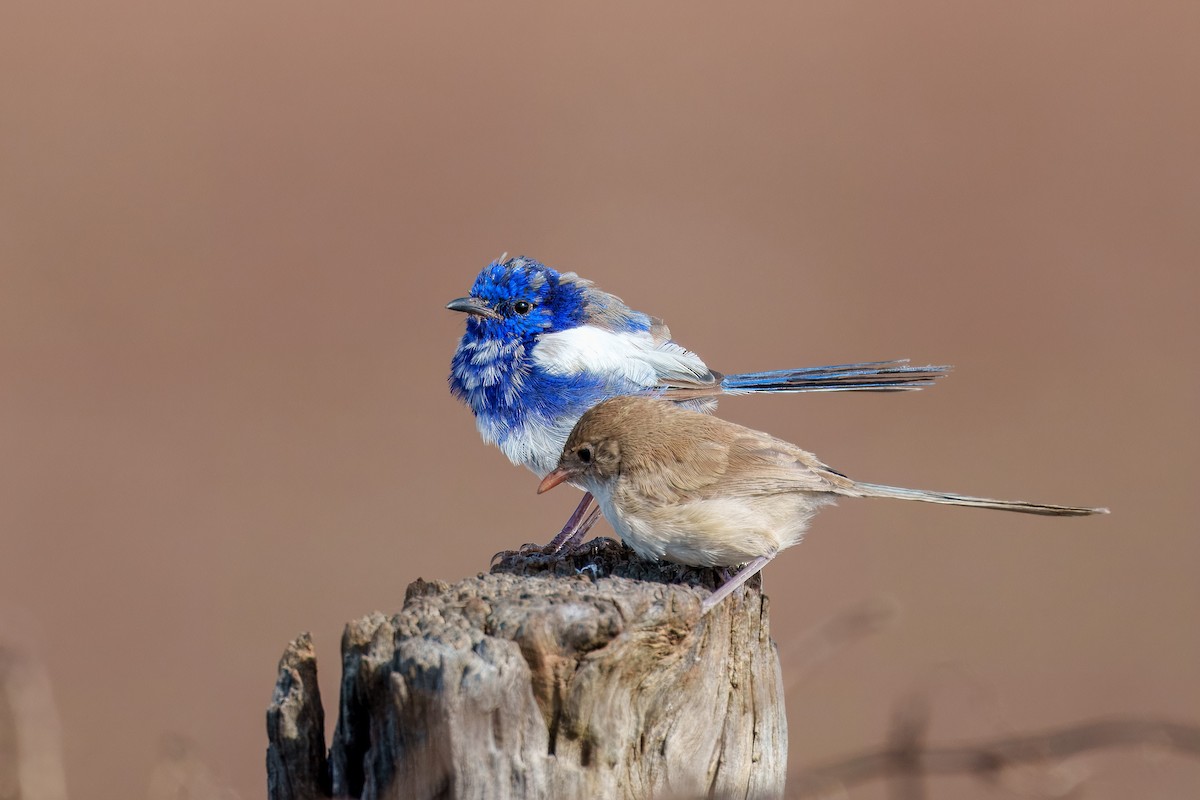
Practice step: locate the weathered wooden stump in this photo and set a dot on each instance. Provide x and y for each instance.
(591, 677)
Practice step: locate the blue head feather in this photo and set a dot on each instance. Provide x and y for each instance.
(492, 370)
(554, 304)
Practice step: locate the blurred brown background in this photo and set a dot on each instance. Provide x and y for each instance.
(228, 231)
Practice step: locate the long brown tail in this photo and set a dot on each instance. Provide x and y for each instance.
(946, 498)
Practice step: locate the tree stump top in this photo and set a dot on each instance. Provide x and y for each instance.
(590, 676)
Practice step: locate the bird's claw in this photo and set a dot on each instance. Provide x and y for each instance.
(524, 551)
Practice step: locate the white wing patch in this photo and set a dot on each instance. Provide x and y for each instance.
(634, 356)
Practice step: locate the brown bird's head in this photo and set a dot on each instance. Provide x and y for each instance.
(609, 436)
(593, 451)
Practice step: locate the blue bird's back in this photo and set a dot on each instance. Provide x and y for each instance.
(542, 347)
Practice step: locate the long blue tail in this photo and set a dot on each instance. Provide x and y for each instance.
(870, 376)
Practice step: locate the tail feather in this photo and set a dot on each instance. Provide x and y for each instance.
(870, 376)
(946, 498)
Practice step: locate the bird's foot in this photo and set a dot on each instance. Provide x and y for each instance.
(529, 551)
(582, 558)
(568, 541)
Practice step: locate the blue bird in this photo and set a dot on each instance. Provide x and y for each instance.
(542, 347)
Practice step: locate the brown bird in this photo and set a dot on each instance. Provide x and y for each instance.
(694, 489)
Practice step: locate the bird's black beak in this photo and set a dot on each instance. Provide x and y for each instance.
(472, 305)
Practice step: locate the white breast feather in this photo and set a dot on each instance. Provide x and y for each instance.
(537, 446)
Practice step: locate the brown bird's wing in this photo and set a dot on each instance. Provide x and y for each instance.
(719, 458)
(759, 464)
(690, 470)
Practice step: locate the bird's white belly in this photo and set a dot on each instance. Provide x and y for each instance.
(716, 532)
(537, 445)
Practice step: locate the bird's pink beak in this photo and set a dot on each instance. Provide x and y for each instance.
(554, 479)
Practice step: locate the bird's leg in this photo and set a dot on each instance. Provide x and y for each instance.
(747, 572)
(574, 530)
(577, 538)
(565, 542)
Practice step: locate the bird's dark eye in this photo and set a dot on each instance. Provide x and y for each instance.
(585, 454)
(522, 307)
